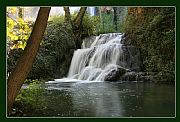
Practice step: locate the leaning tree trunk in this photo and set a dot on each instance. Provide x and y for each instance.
(25, 62)
(67, 15)
(78, 19)
(77, 26)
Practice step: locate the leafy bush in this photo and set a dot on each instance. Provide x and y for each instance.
(54, 56)
(12, 58)
(106, 24)
(154, 33)
(30, 98)
(90, 25)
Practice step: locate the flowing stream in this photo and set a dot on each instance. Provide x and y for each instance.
(86, 92)
(107, 99)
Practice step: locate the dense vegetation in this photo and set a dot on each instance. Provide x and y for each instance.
(56, 49)
(29, 99)
(55, 52)
(152, 30)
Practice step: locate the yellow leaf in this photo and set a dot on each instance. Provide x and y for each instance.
(12, 10)
(21, 30)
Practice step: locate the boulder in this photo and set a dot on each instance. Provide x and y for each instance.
(138, 76)
(115, 75)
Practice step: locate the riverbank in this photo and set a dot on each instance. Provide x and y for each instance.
(106, 99)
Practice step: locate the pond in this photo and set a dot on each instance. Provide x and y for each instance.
(108, 99)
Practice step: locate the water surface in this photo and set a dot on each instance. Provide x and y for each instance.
(109, 99)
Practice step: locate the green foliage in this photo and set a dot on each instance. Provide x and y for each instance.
(155, 36)
(57, 19)
(106, 24)
(54, 56)
(31, 98)
(90, 25)
(35, 81)
(127, 24)
(12, 58)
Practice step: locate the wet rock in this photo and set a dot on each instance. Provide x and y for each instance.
(139, 76)
(129, 76)
(115, 75)
(131, 56)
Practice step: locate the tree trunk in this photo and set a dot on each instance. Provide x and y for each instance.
(96, 11)
(115, 18)
(25, 62)
(20, 12)
(67, 15)
(77, 26)
(79, 17)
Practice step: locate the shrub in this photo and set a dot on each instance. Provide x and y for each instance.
(30, 99)
(155, 36)
(106, 24)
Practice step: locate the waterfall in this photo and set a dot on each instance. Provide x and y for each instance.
(101, 56)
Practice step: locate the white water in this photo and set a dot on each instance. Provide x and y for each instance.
(100, 57)
(97, 58)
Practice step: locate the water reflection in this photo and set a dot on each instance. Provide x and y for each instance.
(96, 99)
(108, 99)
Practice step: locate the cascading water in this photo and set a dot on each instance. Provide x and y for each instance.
(101, 56)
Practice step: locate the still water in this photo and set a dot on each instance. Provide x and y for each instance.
(109, 99)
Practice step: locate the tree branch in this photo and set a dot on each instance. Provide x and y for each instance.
(11, 17)
(67, 15)
(78, 19)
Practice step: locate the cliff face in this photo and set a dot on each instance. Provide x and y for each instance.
(152, 30)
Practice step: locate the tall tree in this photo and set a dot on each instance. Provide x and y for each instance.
(67, 15)
(25, 62)
(79, 17)
(76, 24)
